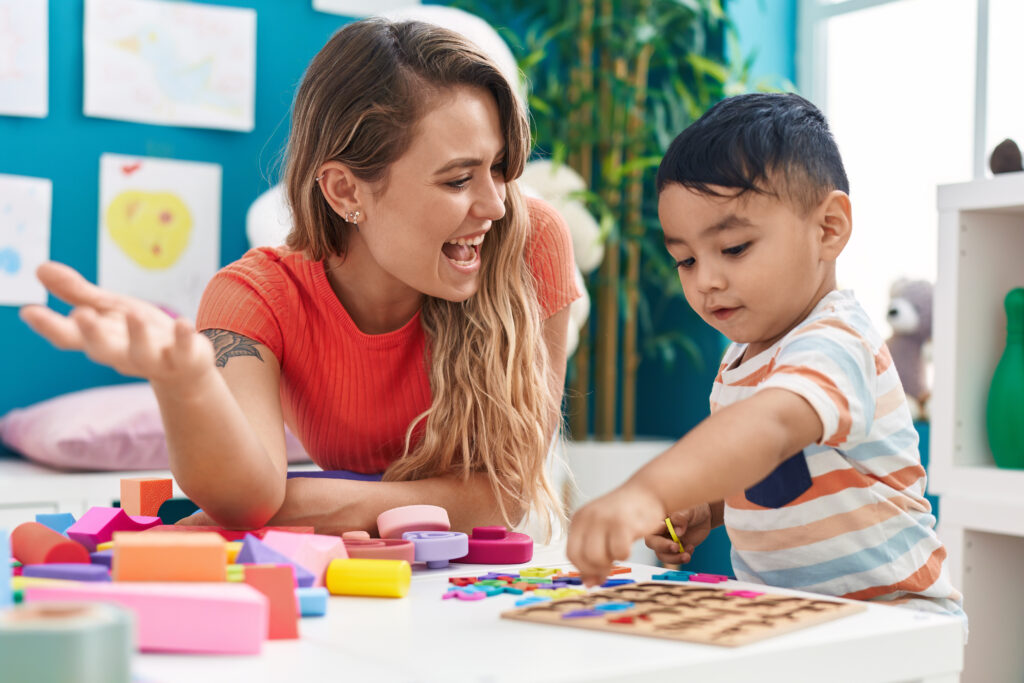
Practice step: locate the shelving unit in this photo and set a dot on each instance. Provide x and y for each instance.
(980, 258)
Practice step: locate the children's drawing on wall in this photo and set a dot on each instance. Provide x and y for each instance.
(24, 237)
(171, 63)
(24, 46)
(360, 8)
(159, 229)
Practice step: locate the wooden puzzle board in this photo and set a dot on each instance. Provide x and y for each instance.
(683, 611)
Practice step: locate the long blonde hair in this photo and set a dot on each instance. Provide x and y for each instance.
(493, 408)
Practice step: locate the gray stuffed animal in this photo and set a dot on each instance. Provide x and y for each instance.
(910, 314)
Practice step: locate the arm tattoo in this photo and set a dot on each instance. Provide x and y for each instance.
(227, 345)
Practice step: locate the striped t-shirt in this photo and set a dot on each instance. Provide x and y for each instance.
(846, 516)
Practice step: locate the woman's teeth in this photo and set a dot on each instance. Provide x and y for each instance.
(468, 242)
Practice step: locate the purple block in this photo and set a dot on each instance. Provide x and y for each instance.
(103, 557)
(65, 570)
(255, 551)
(436, 548)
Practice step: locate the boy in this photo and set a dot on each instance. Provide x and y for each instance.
(809, 456)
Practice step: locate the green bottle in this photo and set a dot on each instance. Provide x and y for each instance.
(1005, 411)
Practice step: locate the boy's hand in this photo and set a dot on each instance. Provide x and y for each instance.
(692, 526)
(604, 530)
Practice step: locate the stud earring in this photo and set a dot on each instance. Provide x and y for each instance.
(353, 217)
(319, 178)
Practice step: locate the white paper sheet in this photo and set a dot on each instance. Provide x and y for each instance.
(360, 8)
(172, 63)
(159, 229)
(25, 205)
(24, 63)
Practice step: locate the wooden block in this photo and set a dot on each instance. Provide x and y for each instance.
(312, 551)
(144, 496)
(277, 582)
(222, 618)
(683, 611)
(35, 543)
(169, 557)
(99, 524)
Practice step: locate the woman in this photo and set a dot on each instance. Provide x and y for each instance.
(414, 324)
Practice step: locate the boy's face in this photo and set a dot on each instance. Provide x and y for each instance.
(752, 267)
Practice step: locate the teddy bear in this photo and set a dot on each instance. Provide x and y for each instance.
(910, 315)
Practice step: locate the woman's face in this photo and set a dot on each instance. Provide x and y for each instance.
(440, 199)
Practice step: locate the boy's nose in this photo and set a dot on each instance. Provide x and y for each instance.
(710, 280)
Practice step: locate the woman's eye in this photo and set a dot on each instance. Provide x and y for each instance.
(459, 184)
(685, 264)
(737, 250)
(498, 169)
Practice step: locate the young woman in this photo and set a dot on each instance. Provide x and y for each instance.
(414, 325)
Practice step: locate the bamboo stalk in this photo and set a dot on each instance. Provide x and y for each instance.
(634, 231)
(582, 109)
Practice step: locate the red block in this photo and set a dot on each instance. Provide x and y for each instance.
(144, 496)
(35, 543)
(277, 582)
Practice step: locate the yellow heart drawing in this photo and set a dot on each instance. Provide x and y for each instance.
(152, 228)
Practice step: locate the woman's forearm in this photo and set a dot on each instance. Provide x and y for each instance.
(216, 456)
(333, 506)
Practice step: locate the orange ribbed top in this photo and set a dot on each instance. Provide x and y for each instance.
(350, 396)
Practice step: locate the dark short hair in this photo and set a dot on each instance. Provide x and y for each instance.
(777, 144)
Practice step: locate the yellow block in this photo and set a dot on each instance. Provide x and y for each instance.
(234, 547)
(359, 576)
(22, 582)
(104, 546)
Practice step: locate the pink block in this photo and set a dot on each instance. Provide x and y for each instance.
(497, 545)
(208, 618)
(312, 551)
(396, 521)
(99, 524)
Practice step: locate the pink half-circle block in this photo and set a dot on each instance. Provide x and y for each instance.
(397, 521)
(497, 545)
(381, 549)
(99, 524)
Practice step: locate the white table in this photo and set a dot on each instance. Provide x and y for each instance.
(423, 638)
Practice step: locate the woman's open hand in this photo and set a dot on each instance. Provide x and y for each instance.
(127, 334)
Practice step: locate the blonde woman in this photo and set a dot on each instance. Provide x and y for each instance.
(414, 325)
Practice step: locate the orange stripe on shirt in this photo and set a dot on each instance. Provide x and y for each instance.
(883, 359)
(921, 580)
(756, 377)
(836, 481)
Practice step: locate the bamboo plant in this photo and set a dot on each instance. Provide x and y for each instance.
(612, 83)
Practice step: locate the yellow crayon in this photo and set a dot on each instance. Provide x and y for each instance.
(672, 533)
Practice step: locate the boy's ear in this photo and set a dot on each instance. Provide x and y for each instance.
(342, 190)
(835, 219)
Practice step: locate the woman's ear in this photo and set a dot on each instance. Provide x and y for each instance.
(342, 190)
(835, 219)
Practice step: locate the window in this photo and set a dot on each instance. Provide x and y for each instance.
(899, 81)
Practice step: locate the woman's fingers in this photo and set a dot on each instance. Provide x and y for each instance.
(69, 286)
(141, 348)
(57, 329)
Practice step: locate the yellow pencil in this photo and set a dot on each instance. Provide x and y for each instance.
(672, 533)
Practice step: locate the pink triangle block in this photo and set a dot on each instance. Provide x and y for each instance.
(312, 551)
(99, 524)
(208, 618)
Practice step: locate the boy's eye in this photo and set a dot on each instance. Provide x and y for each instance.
(685, 264)
(737, 250)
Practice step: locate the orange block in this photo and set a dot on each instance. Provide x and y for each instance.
(144, 496)
(277, 582)
(185, 556)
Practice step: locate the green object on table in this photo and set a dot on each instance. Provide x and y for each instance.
(1004, 415)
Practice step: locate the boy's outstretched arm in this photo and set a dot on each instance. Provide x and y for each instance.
(733, 449)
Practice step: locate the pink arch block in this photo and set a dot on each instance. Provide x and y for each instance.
(312, 551)
(99, 524)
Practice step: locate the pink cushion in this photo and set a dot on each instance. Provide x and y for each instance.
(105, 428)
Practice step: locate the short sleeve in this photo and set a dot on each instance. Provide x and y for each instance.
(833, 368)
(550, 257)
(241, 298)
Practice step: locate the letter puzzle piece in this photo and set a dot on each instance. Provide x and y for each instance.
(99, 524)
(255, 551)
(310, 551)
(394, 523)
(144, 496)
(225, 618)
(34, 543)
(277, 582)
(497, 545)
(169, 557)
